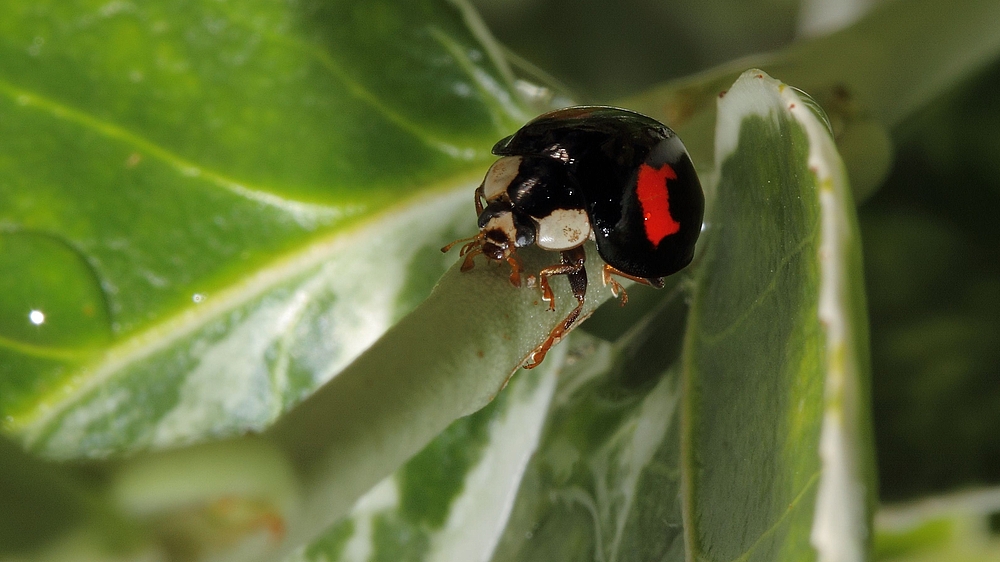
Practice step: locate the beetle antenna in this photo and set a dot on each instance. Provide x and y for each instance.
(471, 240)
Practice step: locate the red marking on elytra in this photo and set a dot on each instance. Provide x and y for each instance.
(654, 196)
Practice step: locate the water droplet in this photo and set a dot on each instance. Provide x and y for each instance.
(197, 298)
(37, 317)
(51, 296)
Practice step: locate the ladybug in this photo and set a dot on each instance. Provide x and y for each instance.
(598, 173)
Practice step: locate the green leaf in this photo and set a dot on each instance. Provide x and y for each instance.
(199, 203)
(777, 450)
(605, 483)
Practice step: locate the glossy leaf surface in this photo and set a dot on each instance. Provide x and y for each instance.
(190, 196)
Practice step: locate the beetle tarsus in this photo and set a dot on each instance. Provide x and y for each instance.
(616, 287)
(573, 268)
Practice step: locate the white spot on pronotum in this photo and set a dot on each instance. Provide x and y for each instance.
(499, 176)
(36, 317)
(197, 298)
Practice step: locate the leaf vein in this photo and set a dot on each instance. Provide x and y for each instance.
(302, 212)
(813, 480)
(771, 286)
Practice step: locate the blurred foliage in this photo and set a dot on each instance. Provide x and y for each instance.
(605, 50)
(932, 260)
(957, 527)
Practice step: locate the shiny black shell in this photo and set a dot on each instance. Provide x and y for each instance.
(608, 161)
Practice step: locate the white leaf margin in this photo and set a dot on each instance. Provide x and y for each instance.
(840, 530)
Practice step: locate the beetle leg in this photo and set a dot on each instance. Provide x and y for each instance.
(468, 263)
(572, 267)
(515, 269)
(543, 281)
(616, 287)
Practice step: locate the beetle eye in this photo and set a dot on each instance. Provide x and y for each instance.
(493, 251)
(524, 229)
